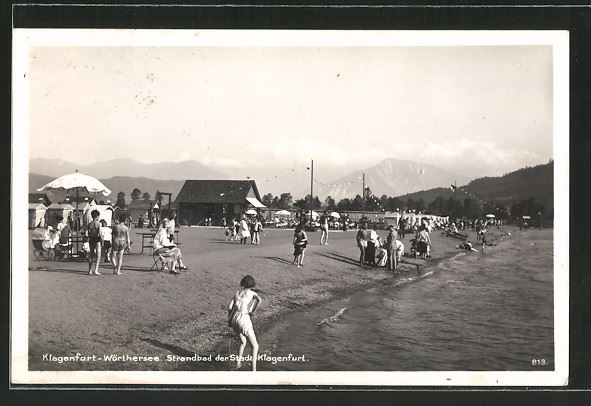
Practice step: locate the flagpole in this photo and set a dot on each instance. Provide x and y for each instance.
(311, 189)
(363, 197)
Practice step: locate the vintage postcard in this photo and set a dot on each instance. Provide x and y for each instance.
(268, 207)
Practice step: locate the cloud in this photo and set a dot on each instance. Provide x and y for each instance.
(299, 150)
(221, 162)
(465, 152)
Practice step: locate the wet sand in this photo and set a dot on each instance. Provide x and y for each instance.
(155, 314)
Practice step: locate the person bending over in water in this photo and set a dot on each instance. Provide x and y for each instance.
(466, 246)
(240, 309)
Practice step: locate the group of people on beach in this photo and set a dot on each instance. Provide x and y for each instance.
(103, 242)
(115, 241)
(244, 229)
(375, 252)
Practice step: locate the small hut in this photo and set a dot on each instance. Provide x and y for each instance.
(105, 213)
(37, 215)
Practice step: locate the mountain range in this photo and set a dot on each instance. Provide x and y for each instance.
(117, 184)
(129, 168)
(536, 182)
(390, 177)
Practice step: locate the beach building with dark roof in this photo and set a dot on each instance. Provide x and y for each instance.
(39, 198)
(217, 199)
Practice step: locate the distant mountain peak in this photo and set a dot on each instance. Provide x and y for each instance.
(391, 177)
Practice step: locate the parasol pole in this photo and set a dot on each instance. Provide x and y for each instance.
(77, 220)
(311, 190)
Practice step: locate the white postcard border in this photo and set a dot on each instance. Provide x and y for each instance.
(24, 39)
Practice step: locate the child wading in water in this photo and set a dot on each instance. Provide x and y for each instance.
(240, 309)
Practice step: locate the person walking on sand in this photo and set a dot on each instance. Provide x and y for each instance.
(423, 243)
(256, 231)
(243, 232)
(240, 310)
(300, 241)
(362, 243)
(121, 242)
(324, 228)
(93, 232)
(235, 228)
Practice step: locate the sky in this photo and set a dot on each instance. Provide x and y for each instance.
(475, 110)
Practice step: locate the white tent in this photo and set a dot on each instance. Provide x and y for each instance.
(37, 215)
(105, 212)
(283, 213)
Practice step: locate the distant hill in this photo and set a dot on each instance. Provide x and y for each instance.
(390, 177)
(127, 167)
(118, 184)
(537, 182)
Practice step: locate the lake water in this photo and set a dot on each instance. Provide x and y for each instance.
(491, 311)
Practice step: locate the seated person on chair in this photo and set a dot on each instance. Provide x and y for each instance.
(166, 248)
(64, 244)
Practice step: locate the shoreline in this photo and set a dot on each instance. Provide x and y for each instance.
(197, 300)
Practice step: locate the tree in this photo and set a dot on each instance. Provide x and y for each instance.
(268, 199)
(146, 196)
(285, 200)
(330, 203)
(455, 209)
(438, 206)
(420, 205)
(120, 200)
(472, 209)
(276, 203)
(344, 204)
(136, 194)
(357, 203)
(304, 204)
(301, 204)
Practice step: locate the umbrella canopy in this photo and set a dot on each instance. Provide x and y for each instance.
(526, 217)
(314, 214)
(335, 215)
(77, 180)
(282, 213)
(251, 211)
(490, 216)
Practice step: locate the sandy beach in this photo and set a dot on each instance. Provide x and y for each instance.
(154, 314)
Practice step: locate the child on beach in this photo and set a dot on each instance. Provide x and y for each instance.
(106, 239)
(240, 310)
(300, 241)
(94, 240)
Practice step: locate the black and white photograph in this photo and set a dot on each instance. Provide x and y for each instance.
(281, 207)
